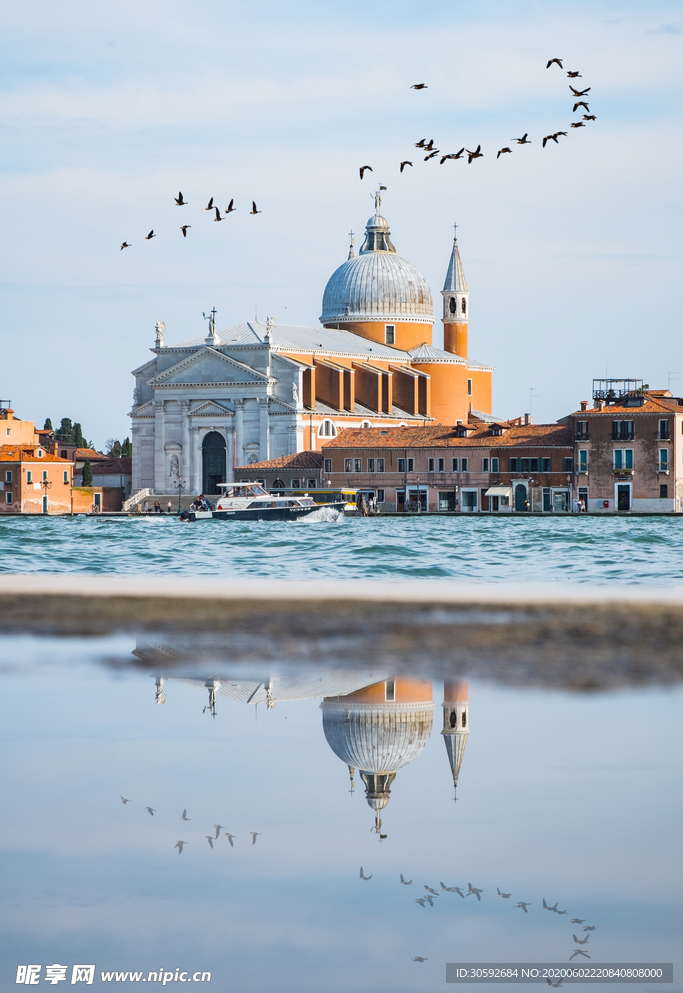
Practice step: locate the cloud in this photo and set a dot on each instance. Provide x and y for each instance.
(675, 27)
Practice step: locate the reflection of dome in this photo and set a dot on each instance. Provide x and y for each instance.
(377, 285)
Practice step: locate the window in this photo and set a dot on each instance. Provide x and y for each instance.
(463, 305)
(582, 429)
(371, 465)
(547, 500)
(512, 465)
(411, 465)
(295, 484)
(622, 430)
(348, 465)
(44, 475)
(568, 464)
(389, 334)
(29, 476)
(327, 429)
(485, 465)
(664, 430)
(469, 387)
(524, 465)
(454, 465)
(8, 476)
(453, 305)
(495, 462)
(66, 476)
(390, 690)
(357, 465)
(328, 465)
(583, 460)
(62, 453)
(546, 465)
(8, 497)
(463, 465)
(442, 465)
(663, 459)
(380, 465)
(312, 484)
(623, 458)
(9, 432)
(380, 496)
(663, 491)
(365, 424)
(39, 453)
(469, 500)
(431, 465)
(278, 484)
(401, 465)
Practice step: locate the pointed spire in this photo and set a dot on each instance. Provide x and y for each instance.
(351, 252)
(455, 277)
(455, 749)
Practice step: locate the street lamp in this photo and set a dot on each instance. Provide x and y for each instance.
(46, 484)
(180, 486)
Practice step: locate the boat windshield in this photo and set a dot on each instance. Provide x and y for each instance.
(245, 490)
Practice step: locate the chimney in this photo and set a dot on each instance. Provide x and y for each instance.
(7, 413)
(584, 405)
(527, 419)
(598, 404)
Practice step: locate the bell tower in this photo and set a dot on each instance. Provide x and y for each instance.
(456, 305)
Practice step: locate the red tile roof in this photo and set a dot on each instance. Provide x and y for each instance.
(20, 453)
(438, 436)
(300, 460)
(114, 467)
(87, 453)
(654, 403)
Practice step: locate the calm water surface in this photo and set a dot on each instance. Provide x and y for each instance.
(476, 549)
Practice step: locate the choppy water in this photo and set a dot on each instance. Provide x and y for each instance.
(475, 549)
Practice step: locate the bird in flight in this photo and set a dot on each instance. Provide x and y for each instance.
(450, 889)
(148, 237)
(150, 811)
(229, 209)
(581, 103)
(523, 140)
(453, 155)
(589, 117)
(580, 93)
(432, 154)
(404, 164)
(184, 817)
(179, 846)
(523, 906)
(546, 907)
(558, 61)
(210, 207)
(430, 890)
(560, 912)
(253, 208)
(558, 133)
(430, 899)
(421, 900)
(430, 145)
(209, 838)
(254, 836)
(363, 876)
(405, 882)
(364, 169)
(505, 896)
(501, 151)
(179, 200)
(218, 215)
(219, 828)
(550, 137)
(578, 124)
(125, 245)
(582, 941)
(579, 951)
(478, 154)
(421, 143)
(230, 838)
(554, 985)
(475, 891)
(183, 228)
(124, 801)
(574, 75)
(590, 927)
(419, 86)
(577, 920)
(418, 958)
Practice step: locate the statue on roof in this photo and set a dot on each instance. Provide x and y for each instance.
(160, 330)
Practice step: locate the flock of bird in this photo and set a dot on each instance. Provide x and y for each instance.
(432, 894)
(180, 201)
(433, 153)
(209, 837)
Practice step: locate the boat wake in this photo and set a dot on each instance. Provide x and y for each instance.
(324, 515)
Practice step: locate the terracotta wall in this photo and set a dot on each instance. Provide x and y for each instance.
(407, 336)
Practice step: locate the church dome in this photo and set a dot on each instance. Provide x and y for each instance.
(377, 738)
(377, 285)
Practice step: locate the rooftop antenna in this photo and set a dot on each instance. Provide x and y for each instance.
(672, 375)
(455, 231)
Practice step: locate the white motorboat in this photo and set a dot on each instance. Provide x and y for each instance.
(247, 501)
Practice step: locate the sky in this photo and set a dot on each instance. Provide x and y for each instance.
(570, 797)
(107, 110)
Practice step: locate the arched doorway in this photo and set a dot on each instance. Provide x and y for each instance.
(213, 462)
(520, 498)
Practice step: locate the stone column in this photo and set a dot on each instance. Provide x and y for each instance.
(239, 431)
(229, 454)
(264, 433)
(159, 442)
(300, 430)
(197, 463)
(186, 467)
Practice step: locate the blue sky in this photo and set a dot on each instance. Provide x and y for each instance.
(572, 252)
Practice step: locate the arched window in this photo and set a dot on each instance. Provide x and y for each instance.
(327, 429)
(464, 719)
(403, 424)
(453, 719)
(463, 305)
(453, 305)
(278, 484)
(366, 424)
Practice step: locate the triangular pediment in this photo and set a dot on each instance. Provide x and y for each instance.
(206, 366)
(211, 407)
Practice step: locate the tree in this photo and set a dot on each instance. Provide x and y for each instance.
(126, 448)
(47, 426)
(65, 432)
(79, 440)
(113, 448)
(87, 473)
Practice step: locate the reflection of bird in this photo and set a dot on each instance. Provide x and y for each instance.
(579, 951)
(456, 889)
(209, 838)
(421, 901)
(581, 103)
(405, 882)
(218, 215)
(523, 140)
(210, 207)
(580, 93)
(582, 941)
(125, 245)
(219, 828)
(254, 836)
(590, 927)
(418, 958)
(475, 891)
(419, 86)
(150, 811)
(554, 985)
(559, 62)
(179, 200)
(148, 237)
(502, 151)
(560, 912)
(253, 208)
(179, 846)
(404, 164)
(577, 920)
(546, 907)
(183, 228)
(505, 896)
(430, 890)
(229, 209)
(451, 889)
(523, 906)
(230, 837)
(363, 876)
(430, 899)
(478, 154)
(124, 801)
(364, 169)
(184, 817)
(550, 137)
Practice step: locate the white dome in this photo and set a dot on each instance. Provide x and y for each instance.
(377, 738)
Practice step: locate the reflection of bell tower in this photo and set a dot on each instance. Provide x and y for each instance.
(378, 730)
(456, 724)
